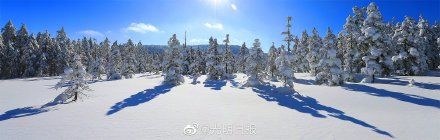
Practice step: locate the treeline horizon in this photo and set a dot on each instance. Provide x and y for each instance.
(23, 54)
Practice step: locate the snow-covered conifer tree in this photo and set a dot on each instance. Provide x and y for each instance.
(156, 64)
(115, 62)
(30, 58)
(97, 68)
(65, 56)
(289, 36)
(255, 65)
(242, 56)
(21, 45)
(301, 53)
(313, 56)
(142, 58)
(197, 67)
(128, 67)
(105, 52)
(299, 56)
(85, 52)
(330, 72)
(228, 60)
(271, 65)
(351, 54)
(214, 64)
(75, 78)
(41, 62)
(355, 29)
(10, 60)
(425, 41)
(284, 68)
(186, 59)
(2, 56)
(438, 46)
(172, 63)
(9, 33)
(411, 58)
(378, 59)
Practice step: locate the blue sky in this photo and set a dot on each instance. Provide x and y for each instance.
(154, 21)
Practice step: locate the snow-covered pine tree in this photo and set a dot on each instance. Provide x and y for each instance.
(128, 67)
(197, 67)
(355, 29)
(271, 65)
(330, 64)
(105, 52)
(425, 42)
(21, 45)
(172, 64)
(289, 36)
(340, 41)
(97, 68)
(301, 53)
(242, 56)
(65, 56)
(378, 59)
(115, 62)
(228, 60)
(351, 53)
(75, 78)
(10, 59)
(85, 52)
(284, 68)
(55, 58)
(142, 58)
(438, 46)
(313, 56)
(9, 33)
(41, 61)
(11, 63)
(214, 63)
(2, 55)
(30, 58)
(255, 65)
(186, 59)
(156, 63)
(434, 57)
(411, 59)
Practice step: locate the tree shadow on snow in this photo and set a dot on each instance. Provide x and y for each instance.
(215, 84)
(398, 81)
(308, 105)
(235, 84)
(26, 111)
(140, 97)
(305, 81)
(414, 99)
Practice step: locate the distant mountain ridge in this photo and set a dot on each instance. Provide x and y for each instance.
(160, 48)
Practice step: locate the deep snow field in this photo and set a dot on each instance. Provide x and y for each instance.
(142, 108)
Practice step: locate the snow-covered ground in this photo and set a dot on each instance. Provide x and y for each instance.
(142, 108)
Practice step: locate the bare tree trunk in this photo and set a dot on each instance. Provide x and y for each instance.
(75, 96)
(372, 79)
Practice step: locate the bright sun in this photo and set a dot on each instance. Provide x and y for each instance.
(215, 2)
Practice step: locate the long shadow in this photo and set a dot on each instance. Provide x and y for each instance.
(26, 111)
(414, 99)
(215, 84)
(398, 81)
(305, 81)
(41, 78)
(140, 97)
(309, 105)
(235, 84)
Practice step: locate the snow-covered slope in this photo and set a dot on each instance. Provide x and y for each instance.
(142, 108)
